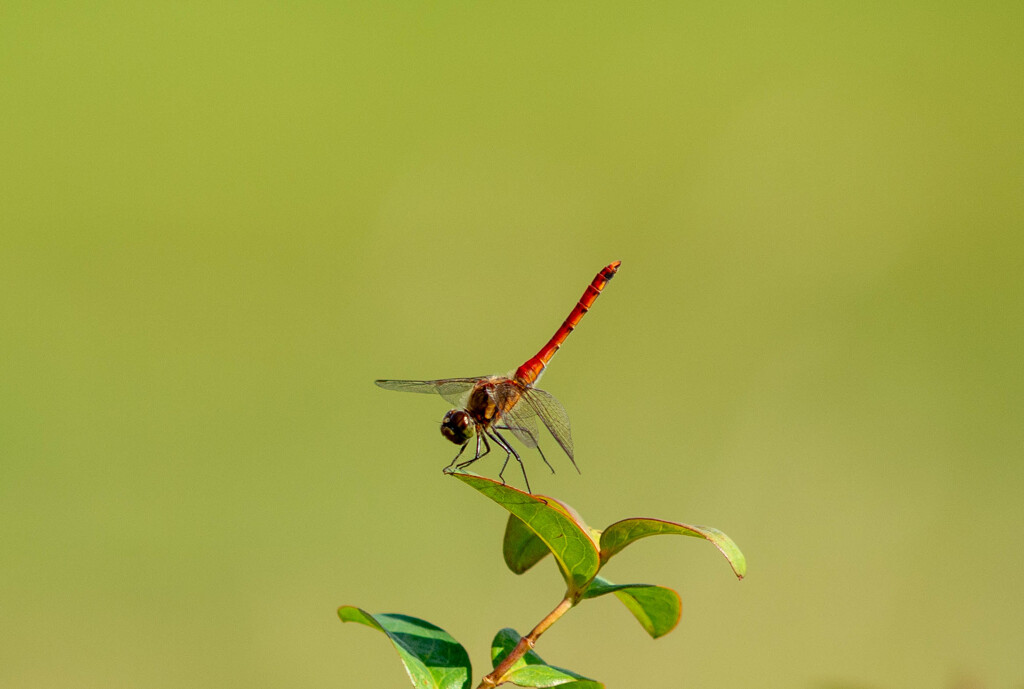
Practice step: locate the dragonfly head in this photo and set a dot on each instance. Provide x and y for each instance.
(457, 426)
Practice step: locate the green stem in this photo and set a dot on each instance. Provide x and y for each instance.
(525, 644)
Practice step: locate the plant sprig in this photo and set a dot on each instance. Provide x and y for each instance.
(538, 526)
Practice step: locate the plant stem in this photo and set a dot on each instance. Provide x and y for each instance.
(525, 644)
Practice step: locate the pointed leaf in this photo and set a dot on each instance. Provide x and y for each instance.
(572, 514)
(620, 534)
(433, 659)
(531, 670)
(656, 608)
(521, 547)
(568, 539)
(550, 676)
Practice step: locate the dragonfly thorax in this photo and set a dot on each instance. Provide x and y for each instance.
(458, 426)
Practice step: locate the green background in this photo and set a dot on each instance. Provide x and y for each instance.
(219, 223)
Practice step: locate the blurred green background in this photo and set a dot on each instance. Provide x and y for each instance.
(220, 222)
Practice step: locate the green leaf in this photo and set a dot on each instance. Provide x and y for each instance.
(620, 534)
(557, 525)
(433, 659)
(521, 547)
(531, 671)
(656, 608)
(550, 676)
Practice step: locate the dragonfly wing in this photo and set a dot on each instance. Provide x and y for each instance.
(452, 389)
(522, 421)
(553, 415)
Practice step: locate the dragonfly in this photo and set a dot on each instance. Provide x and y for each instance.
(488, 405)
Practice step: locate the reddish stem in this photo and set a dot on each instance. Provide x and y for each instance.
(525, 644)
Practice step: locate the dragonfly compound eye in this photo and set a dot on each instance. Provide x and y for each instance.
(457, 426)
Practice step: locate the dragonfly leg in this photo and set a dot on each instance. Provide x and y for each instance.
(479, 455)
(545, 459)
(509, 452)
(462, 449)
(533, 438)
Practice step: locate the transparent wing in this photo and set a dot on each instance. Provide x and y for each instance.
(552, 414)
(520, 418)
(452, 389)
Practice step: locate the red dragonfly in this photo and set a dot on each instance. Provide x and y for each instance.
(488, 405)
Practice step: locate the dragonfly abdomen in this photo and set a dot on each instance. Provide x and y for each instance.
(531, 370)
